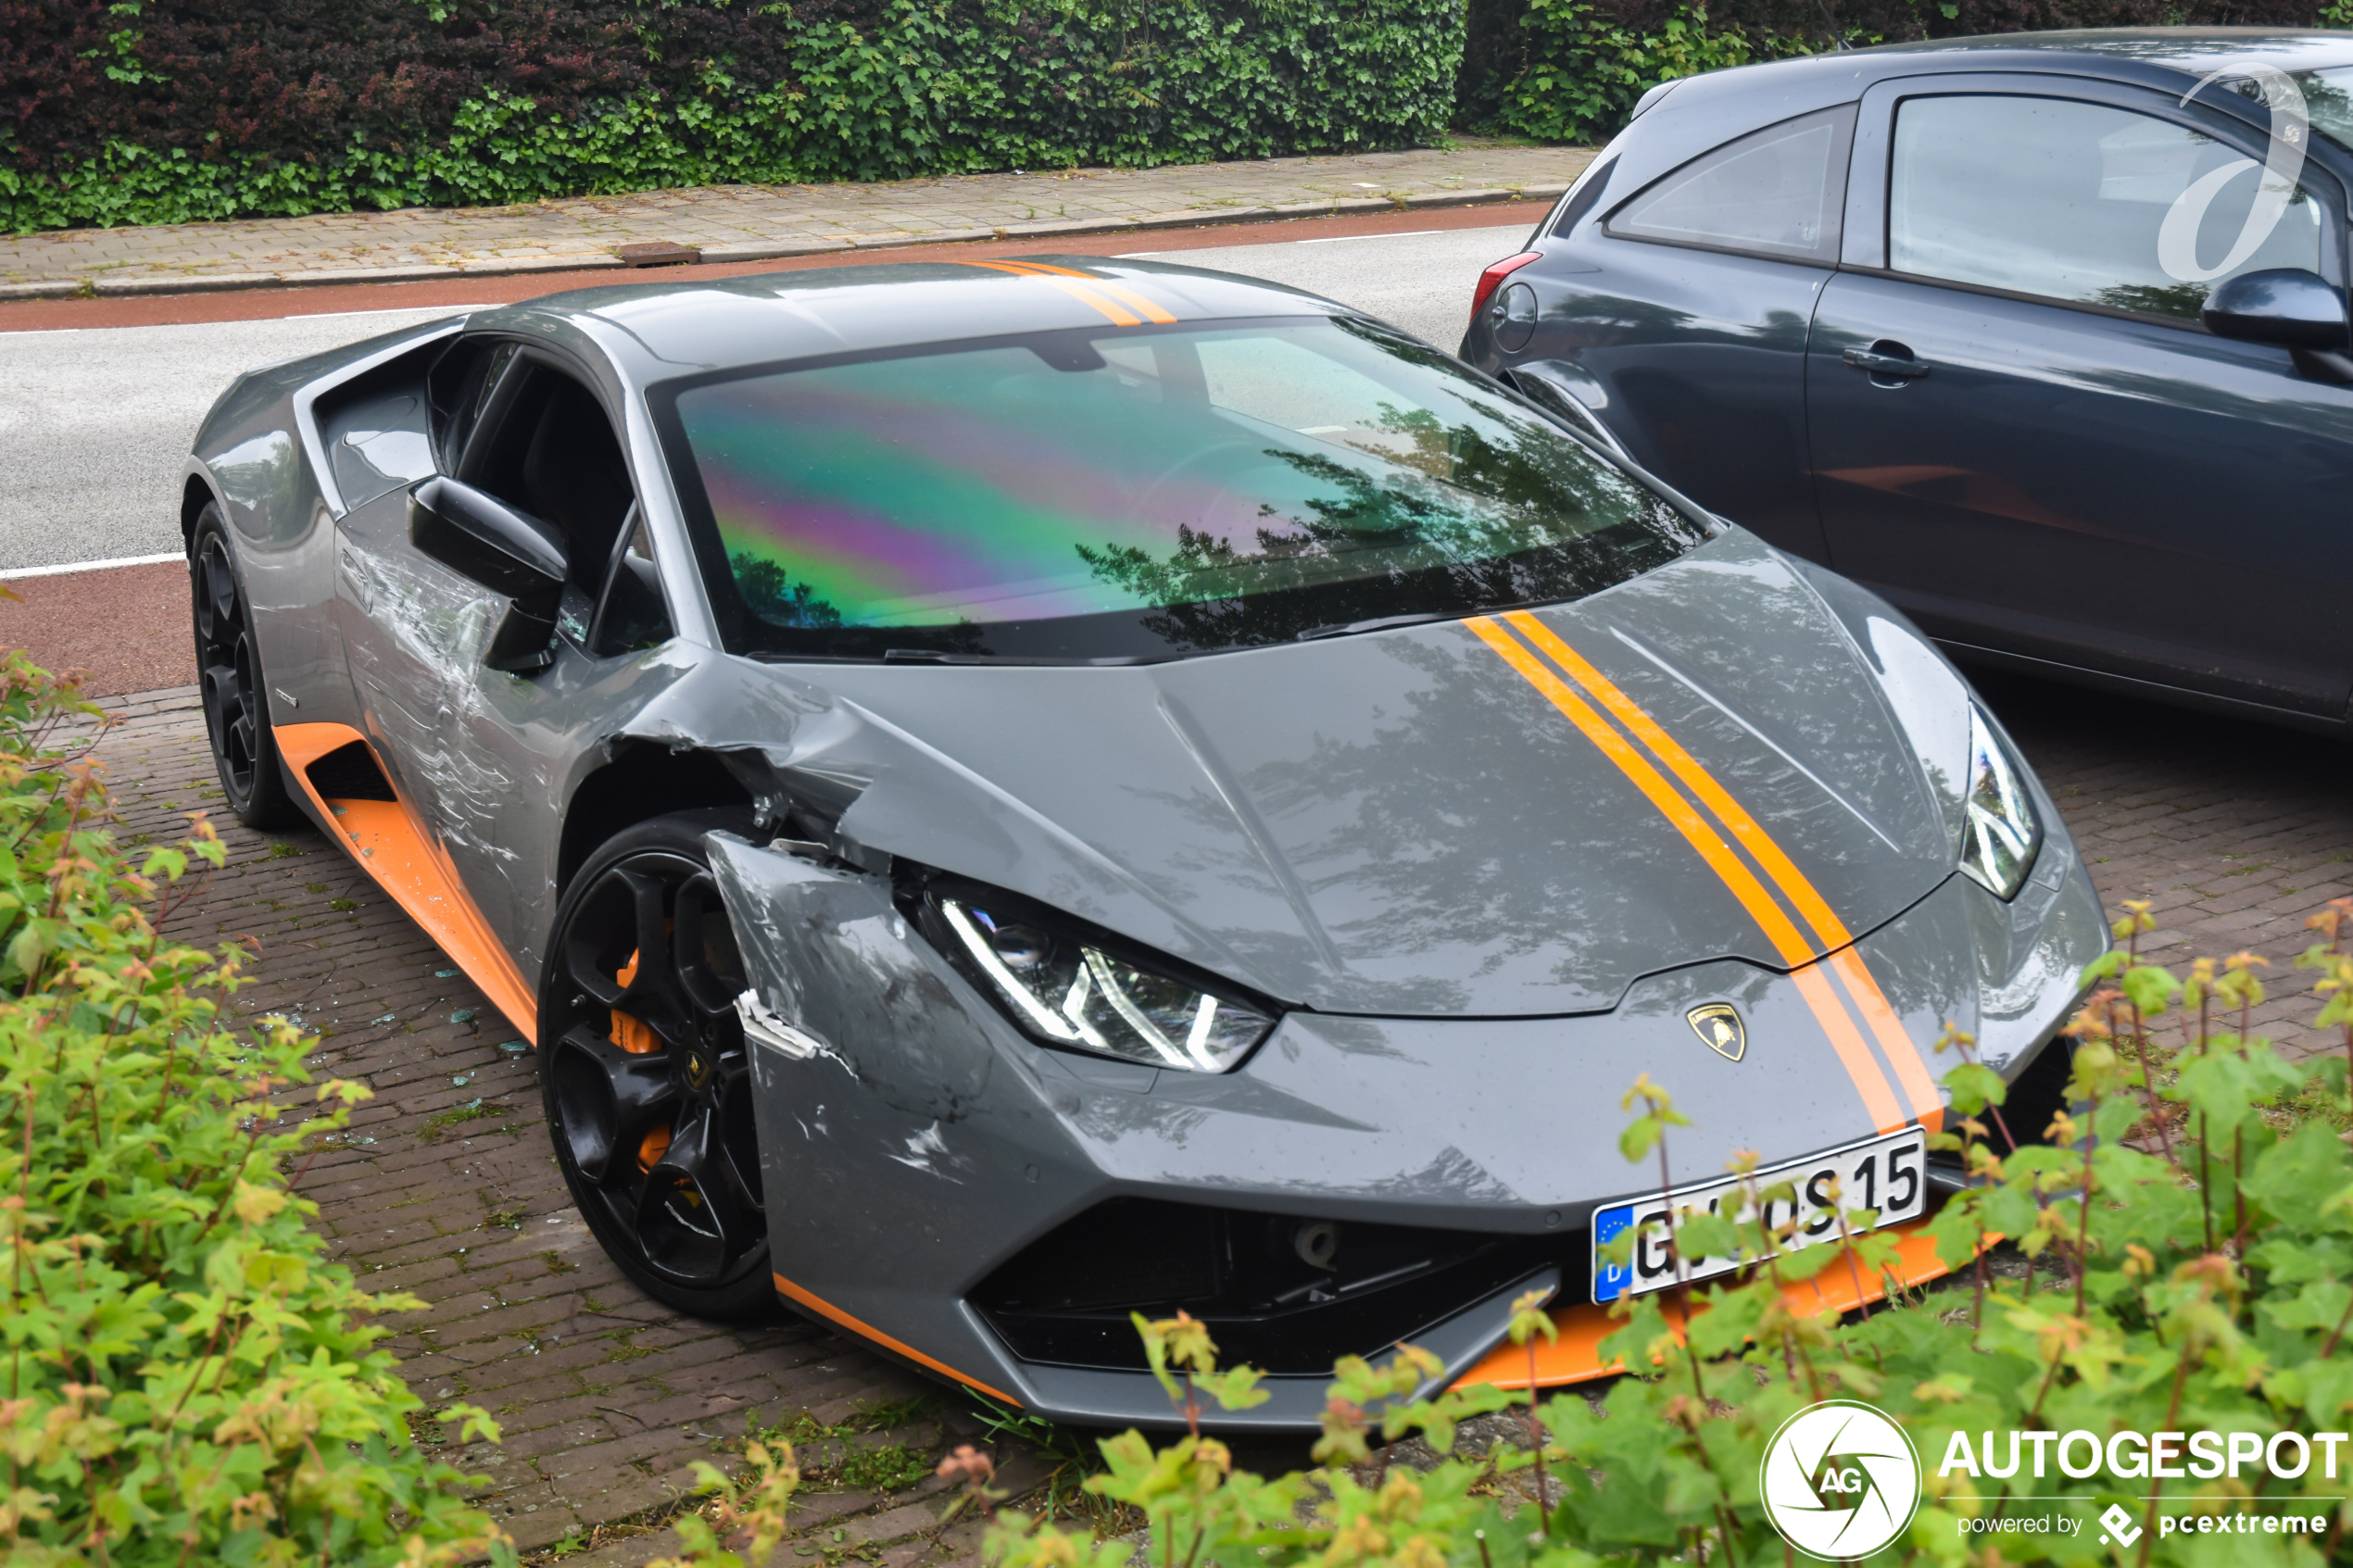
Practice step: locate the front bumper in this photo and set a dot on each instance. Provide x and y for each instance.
(977, 1203)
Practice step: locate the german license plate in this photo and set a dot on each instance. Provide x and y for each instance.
(1881, 1173)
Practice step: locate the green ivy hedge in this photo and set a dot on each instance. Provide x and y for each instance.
(1573, 70)
(923, 87)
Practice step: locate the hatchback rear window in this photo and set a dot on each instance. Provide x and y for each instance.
(1777, 193)
(1138, 493)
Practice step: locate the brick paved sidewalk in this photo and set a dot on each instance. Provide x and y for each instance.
(754, 223)
(445, 1185)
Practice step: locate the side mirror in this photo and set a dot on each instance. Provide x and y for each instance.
(2284, 304)
(508, 552)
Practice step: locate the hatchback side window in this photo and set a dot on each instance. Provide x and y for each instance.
(2083, 203)
(1777, 193)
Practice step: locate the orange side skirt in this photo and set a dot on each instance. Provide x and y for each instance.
(823, 1308)
(386, 838)
(1575, 1357)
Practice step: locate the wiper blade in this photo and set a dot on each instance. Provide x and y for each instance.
(1377, 623)
(940, 655)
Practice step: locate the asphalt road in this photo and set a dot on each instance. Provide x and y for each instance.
(95, 421)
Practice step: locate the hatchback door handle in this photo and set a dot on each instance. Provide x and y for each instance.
(1900, 366)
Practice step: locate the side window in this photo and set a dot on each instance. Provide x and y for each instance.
(1778, 192)
(541, 442)
(2083, 203)
(458, 388)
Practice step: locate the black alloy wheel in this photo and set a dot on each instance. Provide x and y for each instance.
(645, 1073)
(236, 712)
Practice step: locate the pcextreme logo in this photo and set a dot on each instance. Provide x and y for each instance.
(1840, 1480)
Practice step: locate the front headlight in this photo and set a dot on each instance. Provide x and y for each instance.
(1999, 835)
(1068, 992)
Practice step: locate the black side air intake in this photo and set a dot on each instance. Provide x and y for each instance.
(350, 772)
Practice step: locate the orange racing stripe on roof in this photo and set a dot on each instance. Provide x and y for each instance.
(1879, 1099)
(1125, 295)
(1106, 308)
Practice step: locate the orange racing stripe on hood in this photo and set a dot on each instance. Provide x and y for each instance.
(1879, 1099)
(1919, 1085)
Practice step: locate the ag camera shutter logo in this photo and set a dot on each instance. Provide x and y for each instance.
(1840, 1480)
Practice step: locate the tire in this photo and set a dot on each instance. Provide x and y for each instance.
(236, 703)
(647, 1081)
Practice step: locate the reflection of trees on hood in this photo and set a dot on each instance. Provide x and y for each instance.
(1455, 522)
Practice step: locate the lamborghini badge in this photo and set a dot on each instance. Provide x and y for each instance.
(1719, 1025)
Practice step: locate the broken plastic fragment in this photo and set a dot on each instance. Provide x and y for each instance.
(766, 1027)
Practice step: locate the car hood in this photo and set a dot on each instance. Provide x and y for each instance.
(1408, 822)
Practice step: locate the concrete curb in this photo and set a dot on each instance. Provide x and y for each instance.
(1189, 218)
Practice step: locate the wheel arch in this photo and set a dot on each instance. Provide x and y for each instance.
(196, 494)
(642, 780)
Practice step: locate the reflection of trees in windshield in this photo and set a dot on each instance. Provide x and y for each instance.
(770, 594)
(1457, 522)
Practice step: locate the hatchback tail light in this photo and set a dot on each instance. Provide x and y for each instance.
(1491, 279)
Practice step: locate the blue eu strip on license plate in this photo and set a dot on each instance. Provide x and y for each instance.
(1610, 1280)
(1884, 1176)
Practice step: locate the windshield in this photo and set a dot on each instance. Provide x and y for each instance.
(1139, 494)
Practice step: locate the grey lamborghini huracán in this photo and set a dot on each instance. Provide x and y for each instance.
(1011, 793)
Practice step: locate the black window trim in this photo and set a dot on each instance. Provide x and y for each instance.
(1825, 253)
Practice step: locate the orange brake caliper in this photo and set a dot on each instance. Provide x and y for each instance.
(634, 1037)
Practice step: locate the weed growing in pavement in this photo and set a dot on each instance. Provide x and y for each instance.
(894, 1467)
(1075, 1459)
(282, 852)
(437, 1126)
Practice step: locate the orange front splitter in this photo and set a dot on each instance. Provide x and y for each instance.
(1575, 1356)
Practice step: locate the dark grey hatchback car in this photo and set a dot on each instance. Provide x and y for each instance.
(2042, 336)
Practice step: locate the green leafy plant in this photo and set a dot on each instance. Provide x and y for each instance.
(188, 1379)
(2189, 1242)
(1586, 69)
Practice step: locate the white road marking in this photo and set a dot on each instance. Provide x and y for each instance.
(90, 565)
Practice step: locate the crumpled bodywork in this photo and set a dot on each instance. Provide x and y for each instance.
(1475, 918)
